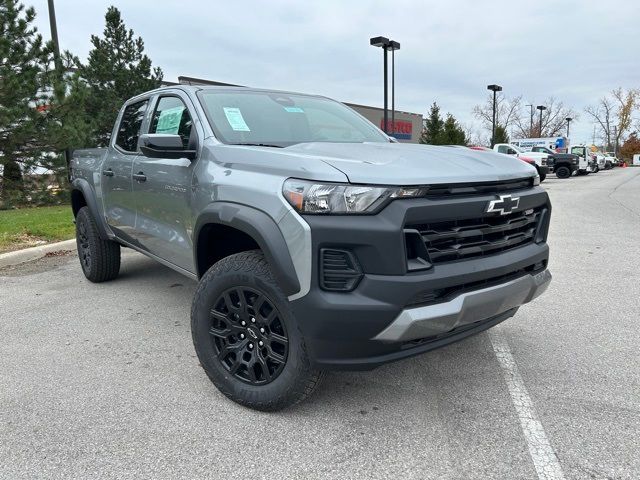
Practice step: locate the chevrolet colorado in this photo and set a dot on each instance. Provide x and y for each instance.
(318, 241)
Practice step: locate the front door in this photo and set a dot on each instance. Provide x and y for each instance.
(119, 204)
(162, 188)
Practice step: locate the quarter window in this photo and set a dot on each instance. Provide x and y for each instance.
(129, 129)
(172, 117)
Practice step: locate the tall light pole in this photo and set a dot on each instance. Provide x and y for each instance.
(393, 46)
(541, 108)
(530, 118)
(54, 37)
(494, 88)
(568, 119)
(383, 42)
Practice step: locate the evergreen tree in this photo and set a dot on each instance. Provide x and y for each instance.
(433, 127)
(24, 60)
(442, 132)
(117, 69)
(501, 135)
(452, 133)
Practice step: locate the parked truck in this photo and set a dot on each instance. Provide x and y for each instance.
(587, 160)
(562, 164)
(317, 241)
(540, 159)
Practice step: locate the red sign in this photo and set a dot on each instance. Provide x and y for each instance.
(401, 129)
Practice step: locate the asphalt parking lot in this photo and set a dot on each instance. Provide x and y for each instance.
(101, 381)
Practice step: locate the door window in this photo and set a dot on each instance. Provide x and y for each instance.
(172, 117)
(129, 129)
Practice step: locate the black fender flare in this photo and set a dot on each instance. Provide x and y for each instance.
(83, 186)
(259, 226)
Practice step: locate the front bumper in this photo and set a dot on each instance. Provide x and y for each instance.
(432, 320)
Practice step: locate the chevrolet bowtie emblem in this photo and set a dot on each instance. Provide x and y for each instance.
(504, 205)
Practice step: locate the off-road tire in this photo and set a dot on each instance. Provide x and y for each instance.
(563, 172)
(297, 378)
(542, 176)
(99, 259)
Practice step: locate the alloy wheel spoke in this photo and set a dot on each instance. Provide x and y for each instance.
(279, 338)
(263, 365)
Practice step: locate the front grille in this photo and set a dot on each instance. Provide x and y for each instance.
(460, 239)
(339, 270)
(479, 188)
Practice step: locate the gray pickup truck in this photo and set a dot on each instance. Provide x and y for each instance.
(318, 241)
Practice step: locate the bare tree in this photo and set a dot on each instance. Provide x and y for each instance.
(507, 111)
(553, 121)
(613, 115)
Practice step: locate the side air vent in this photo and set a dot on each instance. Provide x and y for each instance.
(339, 270)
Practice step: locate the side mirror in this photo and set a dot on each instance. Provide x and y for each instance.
(161, 145)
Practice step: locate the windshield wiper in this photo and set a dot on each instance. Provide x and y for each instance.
(257, 145)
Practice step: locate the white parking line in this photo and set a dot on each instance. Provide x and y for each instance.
(544, 458)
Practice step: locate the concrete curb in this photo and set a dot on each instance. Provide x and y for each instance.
(33, 253)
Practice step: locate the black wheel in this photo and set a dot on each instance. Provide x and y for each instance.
(246, 336)
(100, 259)
(542, 175)
(597, 169)
(563, 172)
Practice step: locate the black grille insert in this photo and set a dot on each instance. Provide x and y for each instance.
(339, 270)
(459, 239)
(479, 188)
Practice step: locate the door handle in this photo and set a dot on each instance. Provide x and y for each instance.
(139, 177)
(107, 173)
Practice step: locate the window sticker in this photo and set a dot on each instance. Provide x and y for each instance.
(236, 120)
(294, 109)
(169, 120)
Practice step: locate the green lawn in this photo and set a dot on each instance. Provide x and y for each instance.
(27, 227)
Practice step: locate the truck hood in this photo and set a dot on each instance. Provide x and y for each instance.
(413, 164)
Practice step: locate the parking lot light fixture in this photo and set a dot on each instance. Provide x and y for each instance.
(393, 46)
(541, 108)
(494, 88)
(383, 42)
(568, 119)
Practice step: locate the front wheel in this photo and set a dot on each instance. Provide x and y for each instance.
(247, 338)
(542, 175)
(563, 172)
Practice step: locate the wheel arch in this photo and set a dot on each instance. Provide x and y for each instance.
(225, 228)
(82, 195)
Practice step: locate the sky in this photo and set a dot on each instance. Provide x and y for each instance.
(576, 50)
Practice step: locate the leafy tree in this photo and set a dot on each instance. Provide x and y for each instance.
(614, 114)
(630, 147)
(501, 135)
(23, 61)
(442, 132)
(117, 69)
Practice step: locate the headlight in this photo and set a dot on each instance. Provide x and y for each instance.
(311, 197)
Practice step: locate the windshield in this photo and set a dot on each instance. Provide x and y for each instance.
(282, 119)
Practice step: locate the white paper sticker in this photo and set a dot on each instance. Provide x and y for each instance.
(235, 119)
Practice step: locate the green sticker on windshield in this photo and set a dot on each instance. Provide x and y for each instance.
(236, 120)
(294, 109)
(169, 120)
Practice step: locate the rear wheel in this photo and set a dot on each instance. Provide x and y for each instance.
(247, 338)
(100, 259)
(563, 172)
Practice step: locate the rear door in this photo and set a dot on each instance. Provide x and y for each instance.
(162, 186)
(119, 204)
